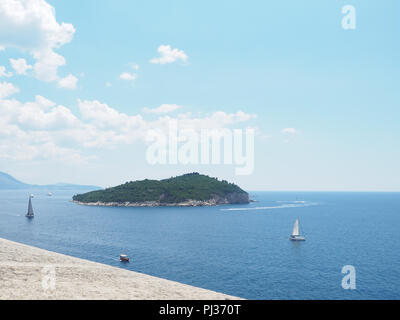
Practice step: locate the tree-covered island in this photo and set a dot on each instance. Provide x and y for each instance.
(192, 189)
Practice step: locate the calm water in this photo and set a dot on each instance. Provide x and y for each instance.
(243, 252)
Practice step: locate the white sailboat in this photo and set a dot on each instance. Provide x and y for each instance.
(295, 236)
(30, 213)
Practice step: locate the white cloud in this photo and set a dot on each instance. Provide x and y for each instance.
(41, 129)
(134, 66)
(25, 151)
(215, 120)
(20, 66)
(69, 82)
(44, 103)
(41, 114)
(4, 73)
(128, 76)
(105, 126)
(31, 25)
(106, 117)
(169, 55)
(47, 65)
(2, 48)
(164, 108)
(108, 84)
(289, 130)
(7, 89)
(35, 130)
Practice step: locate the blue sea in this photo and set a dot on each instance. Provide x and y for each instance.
(242, 250)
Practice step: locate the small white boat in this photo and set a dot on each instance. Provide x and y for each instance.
(49, 194)
(123, 258)
(295, 236)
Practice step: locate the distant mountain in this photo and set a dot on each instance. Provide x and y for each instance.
(192, 189)
(9, 182)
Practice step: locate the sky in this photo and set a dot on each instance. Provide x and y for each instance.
(82, 84)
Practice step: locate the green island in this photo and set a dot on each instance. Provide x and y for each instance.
(192, 189)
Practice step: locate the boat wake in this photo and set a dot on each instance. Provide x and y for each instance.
(284, 205)
(11, 215)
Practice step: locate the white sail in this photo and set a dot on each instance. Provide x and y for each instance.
(296, 228)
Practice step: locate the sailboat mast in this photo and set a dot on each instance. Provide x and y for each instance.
(296, 231)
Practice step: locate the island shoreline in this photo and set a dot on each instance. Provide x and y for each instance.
(188, 203)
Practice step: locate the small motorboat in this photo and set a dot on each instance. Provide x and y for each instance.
(123, 258)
